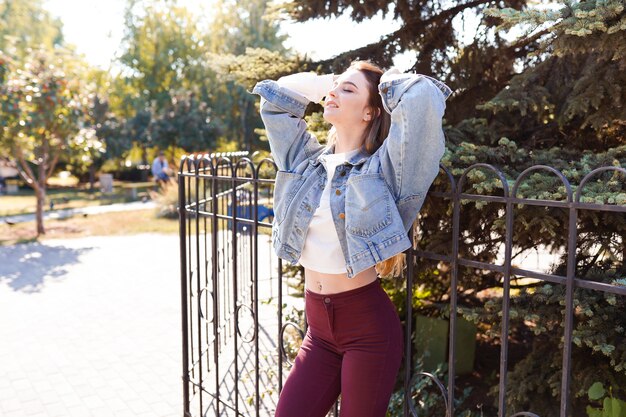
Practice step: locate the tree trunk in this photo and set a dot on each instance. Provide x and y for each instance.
(92, 177)
(244, 125)
(624, 252)
(40, 192)
(144, 163)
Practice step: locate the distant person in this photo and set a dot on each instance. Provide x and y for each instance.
(160, 169)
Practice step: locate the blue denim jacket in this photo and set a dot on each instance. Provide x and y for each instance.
(374, 198)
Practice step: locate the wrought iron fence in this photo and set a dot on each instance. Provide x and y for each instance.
(234, 296)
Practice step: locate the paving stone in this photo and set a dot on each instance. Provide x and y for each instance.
(10, 405)
(78, 411)
(55, 410)
(93, 313)
(99, 328)
(31, 407)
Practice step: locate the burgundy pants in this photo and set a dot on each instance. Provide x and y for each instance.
(353, 347)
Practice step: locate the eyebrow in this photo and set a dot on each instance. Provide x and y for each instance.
(350, 82)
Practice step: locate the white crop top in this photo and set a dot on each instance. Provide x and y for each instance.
(322, 250)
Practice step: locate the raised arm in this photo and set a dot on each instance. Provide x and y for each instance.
(410, 155)
(283, 103)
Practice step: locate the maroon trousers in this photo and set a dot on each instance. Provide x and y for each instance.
(353, 347)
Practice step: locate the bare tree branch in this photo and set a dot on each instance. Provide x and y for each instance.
(408, 28)
(52, 165)
(24, 170)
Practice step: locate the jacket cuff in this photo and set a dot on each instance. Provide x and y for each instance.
(308, 84)
(284, 98)
(392, 90)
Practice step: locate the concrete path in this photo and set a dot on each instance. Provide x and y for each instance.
(65, 213)
(91, 327)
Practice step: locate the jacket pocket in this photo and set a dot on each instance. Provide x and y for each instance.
(368, 205)
(286, 187)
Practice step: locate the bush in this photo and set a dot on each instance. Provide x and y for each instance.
(166, 199)
(427, 398)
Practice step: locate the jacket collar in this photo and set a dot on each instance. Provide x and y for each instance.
(356, 159)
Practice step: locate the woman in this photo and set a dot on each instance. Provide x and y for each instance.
(343, 211)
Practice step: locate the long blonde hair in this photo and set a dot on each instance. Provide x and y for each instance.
(375, 134)
(394, 266)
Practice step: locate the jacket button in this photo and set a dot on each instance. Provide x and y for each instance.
(327, 300)
(343, 173)
(385, 90)
(338, 191)
(342, 216)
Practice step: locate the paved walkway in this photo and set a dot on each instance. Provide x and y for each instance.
(86, 331)
(65, 213)
(91, 327)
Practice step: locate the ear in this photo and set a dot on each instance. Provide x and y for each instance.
(369, 111)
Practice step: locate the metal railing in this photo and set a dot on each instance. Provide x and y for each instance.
(225, 211)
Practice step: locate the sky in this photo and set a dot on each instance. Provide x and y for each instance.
(96, 28)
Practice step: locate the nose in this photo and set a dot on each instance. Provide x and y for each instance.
(332, 93)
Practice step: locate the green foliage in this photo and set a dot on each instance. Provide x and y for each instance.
(177, 87)
(427, 398)
(42, 107)
(574, 91)
(611, 407)
(187, 123)
(565, 111)
(239, 25)
(536, 318)
(256, 64)
(86, 149)
(571, 19)
(166, 199)
(163, 52)
(553, 96)
(25, 24)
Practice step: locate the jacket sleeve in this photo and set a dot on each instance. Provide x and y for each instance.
(410, 155)
(282, 111)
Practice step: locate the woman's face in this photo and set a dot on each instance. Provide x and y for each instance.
(347, 102)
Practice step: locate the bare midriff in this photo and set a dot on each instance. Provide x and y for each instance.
(323, 283)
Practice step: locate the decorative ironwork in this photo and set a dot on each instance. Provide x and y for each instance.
(225, 205)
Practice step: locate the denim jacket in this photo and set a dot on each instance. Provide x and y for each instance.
(374, 198)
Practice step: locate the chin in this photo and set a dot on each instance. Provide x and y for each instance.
(329, 117)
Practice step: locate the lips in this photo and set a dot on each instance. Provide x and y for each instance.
(331, 104)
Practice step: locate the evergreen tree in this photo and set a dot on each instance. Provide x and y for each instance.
(575, 93)
(430, 32)
(553, 95)
(236, 27)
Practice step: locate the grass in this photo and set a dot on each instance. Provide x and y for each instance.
(115, 223)
(105, 224)
(119, 223)
(25, 202)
